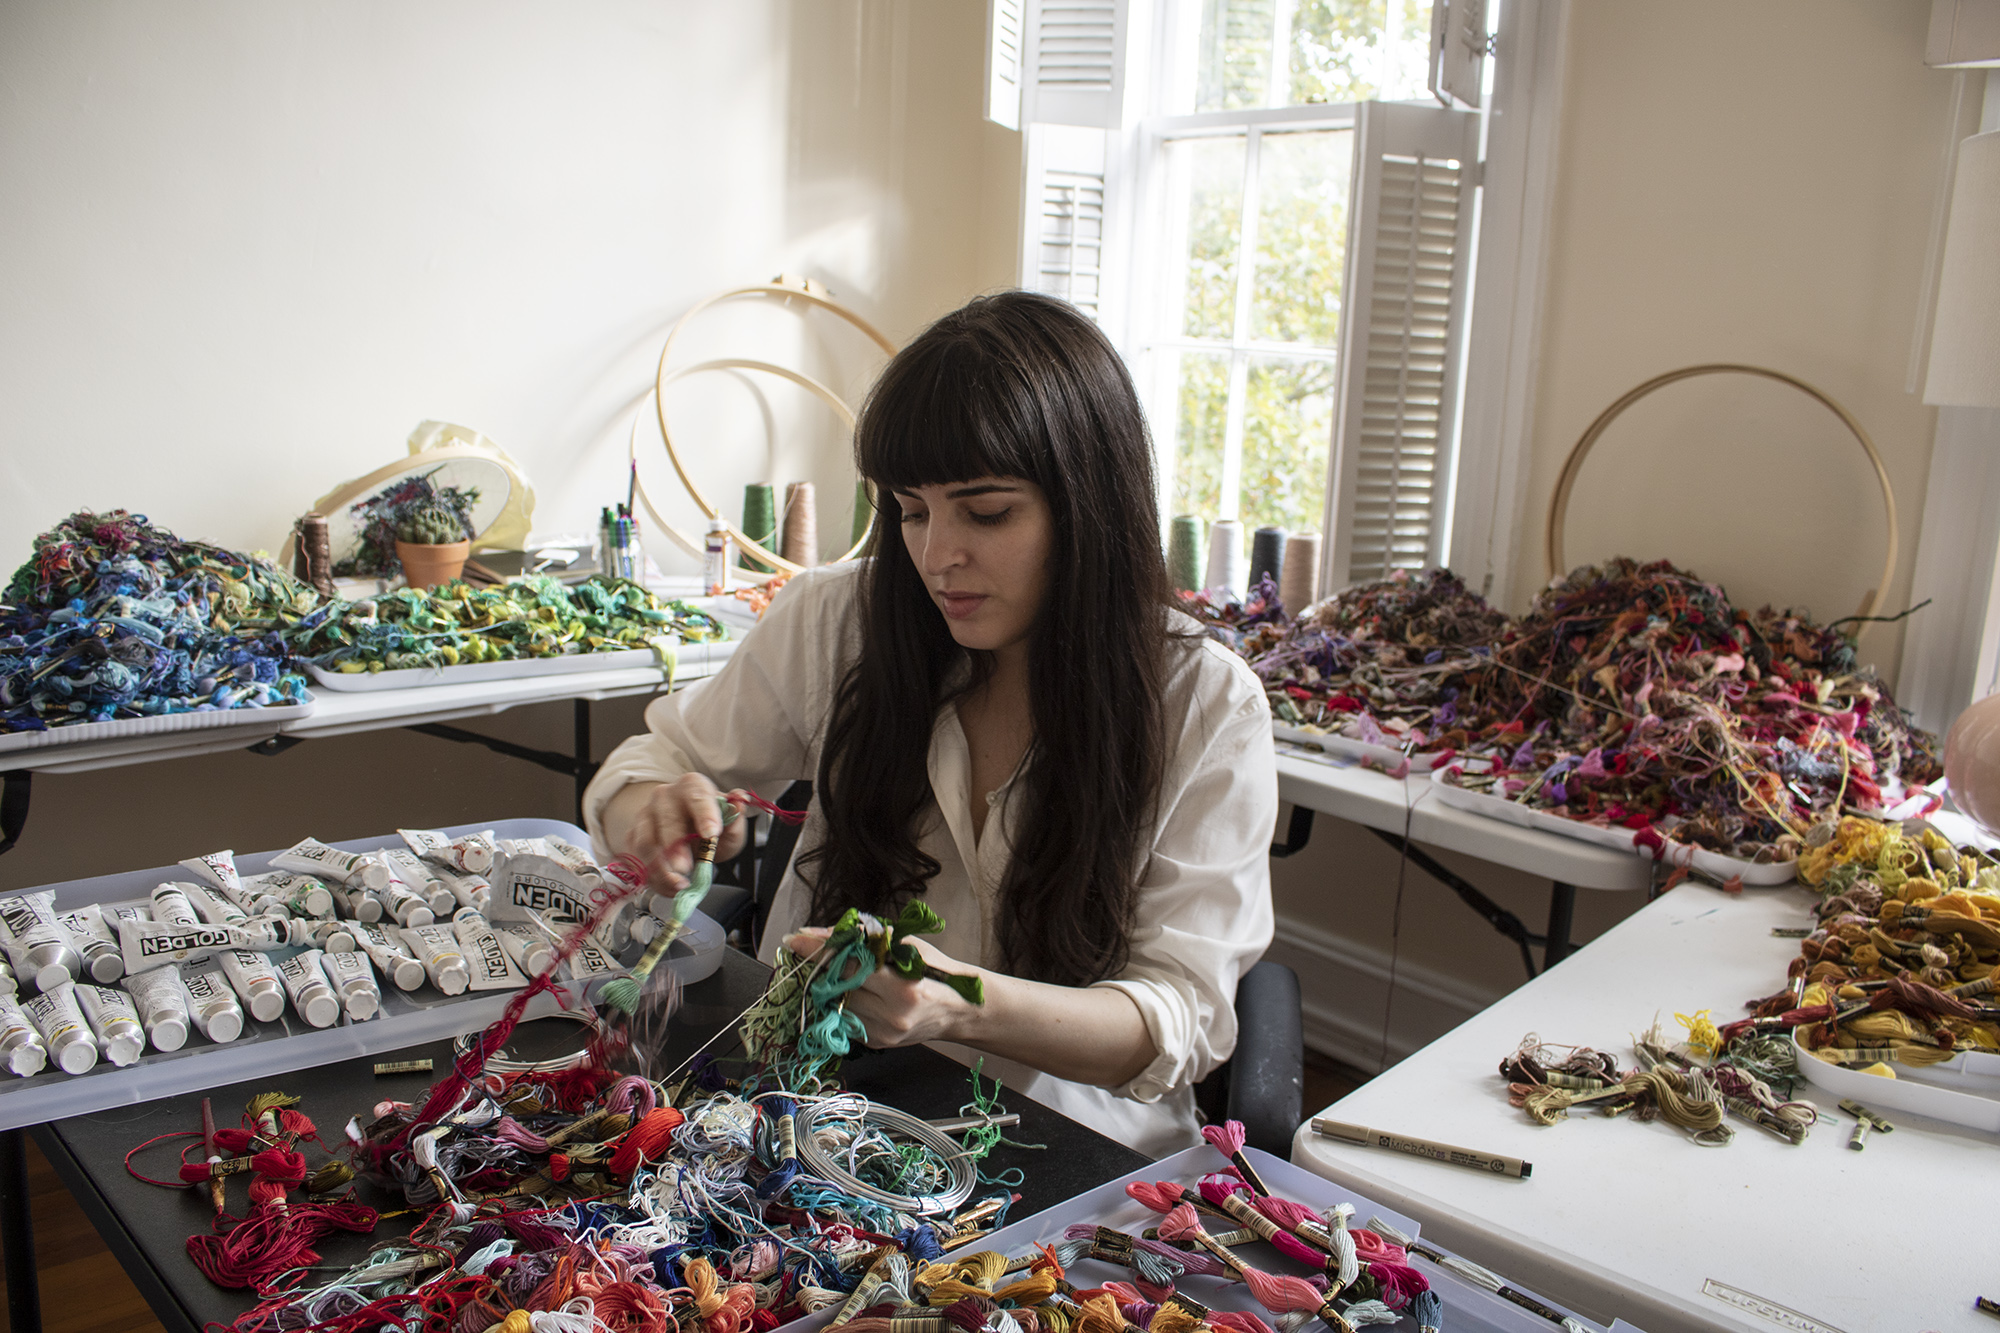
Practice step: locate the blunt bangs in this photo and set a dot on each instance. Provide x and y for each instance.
(953, 407)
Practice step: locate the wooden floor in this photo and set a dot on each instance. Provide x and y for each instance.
(83, 1288)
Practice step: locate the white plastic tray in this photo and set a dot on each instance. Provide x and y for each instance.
(1333, 743)
(1467, 1309)
(1713, 864)
(403, 678)
(1964, 1090)
(408, 1018)
(78, 733)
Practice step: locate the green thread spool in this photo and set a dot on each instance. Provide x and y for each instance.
(760, 521)
(864, 511)
(1184, 553)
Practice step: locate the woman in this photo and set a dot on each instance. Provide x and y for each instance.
(999, 710)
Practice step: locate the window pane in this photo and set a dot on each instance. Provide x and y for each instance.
(1203, 395)
(1301, 236)
(1287, 433)
(1208, 174)
(1234, 67)
(1353, 50)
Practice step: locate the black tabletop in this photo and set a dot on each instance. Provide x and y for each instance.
(147, 1226)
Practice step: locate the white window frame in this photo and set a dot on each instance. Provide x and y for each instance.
(1486, 495)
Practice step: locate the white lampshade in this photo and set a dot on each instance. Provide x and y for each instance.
(1965, 340)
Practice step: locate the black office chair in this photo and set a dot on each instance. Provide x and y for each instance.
(1262, 1084)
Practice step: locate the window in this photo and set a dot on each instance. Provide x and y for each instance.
(1281, 255)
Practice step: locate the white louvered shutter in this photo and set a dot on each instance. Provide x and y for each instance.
(1073, 62)
(1005, 22)
(1409, 247)
(1458, 51)
(1063, 232)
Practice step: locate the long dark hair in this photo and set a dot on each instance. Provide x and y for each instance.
(1012, 385)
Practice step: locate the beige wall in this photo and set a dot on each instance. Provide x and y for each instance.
(1739, 180)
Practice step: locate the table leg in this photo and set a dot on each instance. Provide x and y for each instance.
(585, 770)
(1562, 910)
(1496, 916)
(17, 1234)
(15, 786)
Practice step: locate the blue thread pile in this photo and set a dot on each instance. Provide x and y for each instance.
(113, 617)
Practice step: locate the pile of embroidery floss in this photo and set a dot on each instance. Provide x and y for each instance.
(113, 617)
(458, 623)
(1629, 696)
(1903, 963)
(1693, 1085)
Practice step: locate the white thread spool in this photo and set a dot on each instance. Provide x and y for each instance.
(1225, 556)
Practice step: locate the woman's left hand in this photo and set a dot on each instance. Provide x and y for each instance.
(899, 1012)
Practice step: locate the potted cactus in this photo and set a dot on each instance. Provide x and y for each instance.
(432, 545)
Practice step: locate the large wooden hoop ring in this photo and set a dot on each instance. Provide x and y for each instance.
(1559, 502)
(661, 379)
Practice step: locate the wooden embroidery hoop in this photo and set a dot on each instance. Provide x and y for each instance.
(785, 288)
(1559, 502)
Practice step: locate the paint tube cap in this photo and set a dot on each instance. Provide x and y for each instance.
(28, 1059)
(644, 927)
(336, 939)
(168, 1032)
(226, 1024)
(107, 967)
(373, 874)
(317, 901)
(442, 901)
(452, 978)
(362, 1003)
(54, 964)
(367, 908)
(419, 916)
(319, 1007)
(124, 1043)
(265, 997)
(78, 1055)
(408, 973)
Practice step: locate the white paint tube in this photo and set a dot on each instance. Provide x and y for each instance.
(171, 907)
(60, 1021)
(150, 944)
(218, 871)
(40, 949)
(255, 981)
(406, 907)
(492, 969)
(332, 936)
(283, 891)
(422, 881)
(527, 944)
(212, 1003)
(467, 889)
(212, 906)
(312, 995)
(474, 852)
(113, 1018)
(313, 857)
(19, 1041)
(353, 979)
(8, 986)
(589, 961)
(96, 942)
(355, 904)
(443, 961)
(580, 862)
(162, 1005)
(390, 955)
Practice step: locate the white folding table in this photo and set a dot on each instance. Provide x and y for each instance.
(1629, 1219)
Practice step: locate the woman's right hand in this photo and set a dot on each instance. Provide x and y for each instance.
(662, 820)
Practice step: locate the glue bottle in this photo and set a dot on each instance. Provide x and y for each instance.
(715, 559)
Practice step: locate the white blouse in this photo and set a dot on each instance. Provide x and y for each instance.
(1204, 909)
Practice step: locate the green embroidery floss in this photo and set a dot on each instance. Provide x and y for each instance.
(760, 521)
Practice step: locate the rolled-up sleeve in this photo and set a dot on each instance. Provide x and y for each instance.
(757, 722)
(1204, 913)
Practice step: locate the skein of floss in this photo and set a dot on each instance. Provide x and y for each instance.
(760, 521)
(1225, 556)
(1267, 556)
(800, 540)
(1298, 586)
(1184, 556)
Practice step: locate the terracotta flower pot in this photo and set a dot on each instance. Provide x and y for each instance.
(428, 566)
